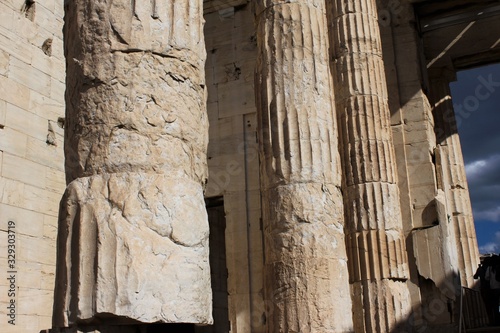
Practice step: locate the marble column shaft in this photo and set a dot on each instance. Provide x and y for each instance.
(378, 265)
(454, 180)
(133, 229)
(306, 275)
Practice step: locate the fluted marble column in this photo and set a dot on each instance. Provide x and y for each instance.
(454, 181)
(133, 229)
(376, 248)
(306, 278)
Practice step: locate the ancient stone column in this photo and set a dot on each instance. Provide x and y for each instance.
(306, 278)
(453, 180)
(133, 230)
(378, 266)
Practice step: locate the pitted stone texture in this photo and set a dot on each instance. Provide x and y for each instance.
(374, 227)
(133, 230)
(133, 245)
(306, 268)
(150, 111)
(299, 228)
(136, 88)
(168, 28)
(453, 180)
(306, 278)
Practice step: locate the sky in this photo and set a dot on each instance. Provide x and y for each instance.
(476, 99)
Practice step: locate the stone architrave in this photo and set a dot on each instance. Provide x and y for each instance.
(378, 264)
(306, 275)
(133, 229)
(452, 171)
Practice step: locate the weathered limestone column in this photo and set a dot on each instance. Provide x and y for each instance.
(133, 230)
(376, 248)
(453, 180)
(306, 277)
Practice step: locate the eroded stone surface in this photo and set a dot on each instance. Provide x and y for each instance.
(133, 230)
(142, 58)
(135, 246)
(453, 178)
(374, 228)
(305, 257)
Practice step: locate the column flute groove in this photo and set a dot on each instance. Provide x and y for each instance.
(378, 264)
(306, 274)
(455, 180)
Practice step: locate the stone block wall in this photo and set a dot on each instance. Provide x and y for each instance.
(32, 181)
(32, 84)
(233, 157)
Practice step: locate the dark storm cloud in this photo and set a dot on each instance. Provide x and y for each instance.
(484, 185)
(480, 132)
(477, 109)
(484, 172)
(476, 97)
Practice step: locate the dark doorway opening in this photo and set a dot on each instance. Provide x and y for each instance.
(218, 267)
